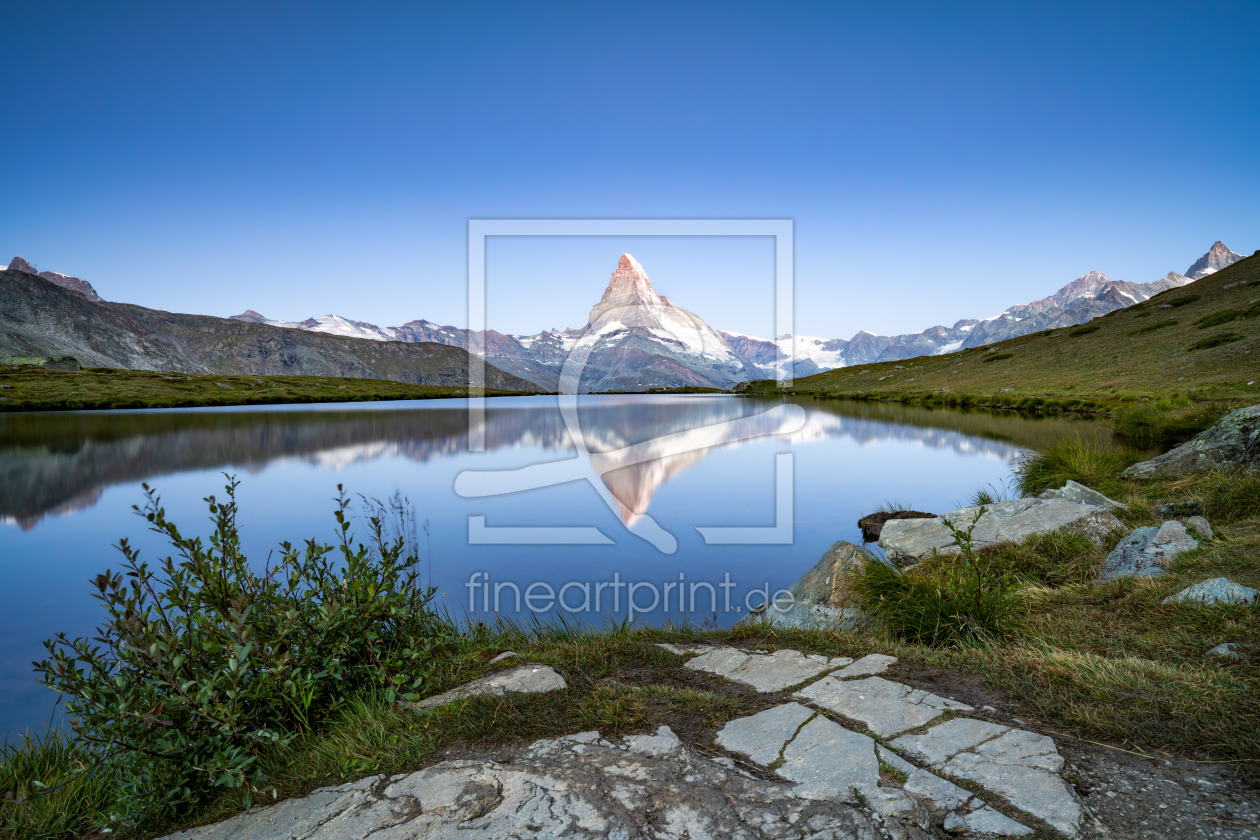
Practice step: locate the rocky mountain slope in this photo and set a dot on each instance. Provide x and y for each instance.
(665, 345)
(63, 280)
(38, 317)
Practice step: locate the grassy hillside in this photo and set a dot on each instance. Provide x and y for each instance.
(1200, 341)
(28, 388)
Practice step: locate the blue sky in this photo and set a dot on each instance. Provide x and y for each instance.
(941, 160)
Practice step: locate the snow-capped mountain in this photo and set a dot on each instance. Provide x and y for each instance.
(1217, 257)
(638, 339)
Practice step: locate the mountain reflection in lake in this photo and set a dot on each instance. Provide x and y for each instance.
(68, 480)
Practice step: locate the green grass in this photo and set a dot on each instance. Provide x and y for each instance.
(29, 388)
(1096, 466)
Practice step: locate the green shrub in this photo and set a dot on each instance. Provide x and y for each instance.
(1086, 330)
(1140, 315)
(1217, 318)
(1158, 325)
(946, 600)
(997, 357)
(1096, 466)
(206, 664)
(1182, 300)
(1215, 341)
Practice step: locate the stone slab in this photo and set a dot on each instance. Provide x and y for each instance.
(766, 672)
(908, 541)
(1029, 788)
(873, 663)
(530, 678)
(939, 795)
(1074, 492)
(893, 760)
(762, 736)
(1214, 591)
(945, 740)
(829, 762)
(887, 708)
(988, 821)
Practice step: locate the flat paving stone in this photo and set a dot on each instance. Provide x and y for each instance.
(829, 762)
(765, 672)
(874, 663)
(762, 736)
(893, 760)
(1033, 789)
(945, 740)
(988, 821)
(887, 708)
(531, 678)
(939, 794)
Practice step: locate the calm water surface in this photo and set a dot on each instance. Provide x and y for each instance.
(68, 481)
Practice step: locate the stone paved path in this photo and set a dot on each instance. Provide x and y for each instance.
(931, 768)
(827, 760)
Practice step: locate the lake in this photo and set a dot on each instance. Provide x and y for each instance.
(693, 506)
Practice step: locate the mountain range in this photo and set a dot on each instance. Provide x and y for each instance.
(640, 339)
(41, 316)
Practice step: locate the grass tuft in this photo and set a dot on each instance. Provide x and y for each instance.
(1215, 341)
(1158, 325)
(1086, 330)
(1094, 465)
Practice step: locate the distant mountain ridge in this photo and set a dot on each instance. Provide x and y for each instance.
(63, 280)
(40, 317)
(651, 350)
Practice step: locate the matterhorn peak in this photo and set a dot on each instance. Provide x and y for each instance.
(629, 262)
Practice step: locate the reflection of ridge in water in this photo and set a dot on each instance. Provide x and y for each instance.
(55, 464)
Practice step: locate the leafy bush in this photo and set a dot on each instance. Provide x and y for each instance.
(1086, 330)
(1217, 318)
(1096, 466)
(1215, 341)
(1182, 300)
(205, 664)
(1158, 325)
(948, 599)
(997, 357)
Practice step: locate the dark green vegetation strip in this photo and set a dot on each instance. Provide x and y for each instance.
(1155, 325)
(1085, 330)
(997, 357)
(1183, 300)
(29, 388)
(1216, 340)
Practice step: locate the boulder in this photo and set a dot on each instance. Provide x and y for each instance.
(907, 541)
(873, 523)
(1074, 492)
(1201, 526)
(821, 598)
(1215, 591)
(1147, 552)
(1233, 441)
